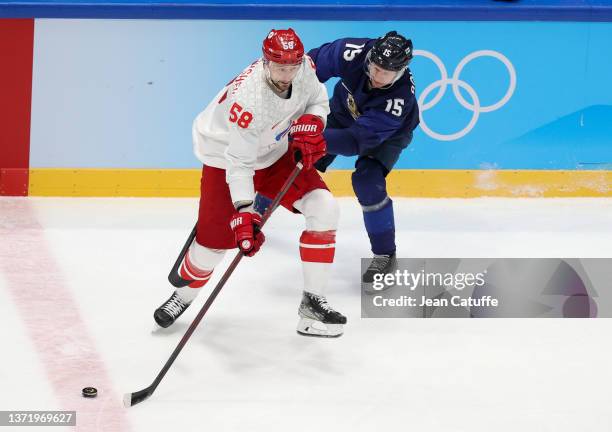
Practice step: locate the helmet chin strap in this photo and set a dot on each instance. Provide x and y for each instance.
(397, 76)
(366, 66)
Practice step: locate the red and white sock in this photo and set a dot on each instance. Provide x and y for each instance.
(199, 277)
(317, 250)
(190, 271)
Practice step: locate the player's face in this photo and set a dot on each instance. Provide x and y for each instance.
(282, 74)
(380, 77)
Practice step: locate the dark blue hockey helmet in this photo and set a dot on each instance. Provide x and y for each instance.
(391, 52)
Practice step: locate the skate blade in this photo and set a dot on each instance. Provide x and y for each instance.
(156, 328)
(314, 328)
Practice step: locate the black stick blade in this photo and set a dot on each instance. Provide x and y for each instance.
(173, 277)
(131, 399)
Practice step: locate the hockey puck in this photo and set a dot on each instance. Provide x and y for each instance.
(90, 392)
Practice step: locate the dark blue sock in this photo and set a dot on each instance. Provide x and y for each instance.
(380, 225)
(370, 186)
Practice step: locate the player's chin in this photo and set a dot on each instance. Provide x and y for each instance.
(283, 85)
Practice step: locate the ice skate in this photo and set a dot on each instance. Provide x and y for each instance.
(317, 318)
(381, 264)
(166, 314)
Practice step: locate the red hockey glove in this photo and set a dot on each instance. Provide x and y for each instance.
(246, 227)
(307, 140)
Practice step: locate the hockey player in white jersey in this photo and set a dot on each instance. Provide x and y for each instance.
(246, 139)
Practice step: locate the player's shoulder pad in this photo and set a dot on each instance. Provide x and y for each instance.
(355, 41)
(309, 63)
(408, 84)
(308, 75)
(354, 50)
(247, 77)
(247, 87)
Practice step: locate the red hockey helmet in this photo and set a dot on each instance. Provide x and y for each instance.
(283, 46)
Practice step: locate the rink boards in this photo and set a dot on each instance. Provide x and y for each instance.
(510, 106)
(405, 183)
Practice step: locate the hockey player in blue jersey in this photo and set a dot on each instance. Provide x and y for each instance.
(373, 114)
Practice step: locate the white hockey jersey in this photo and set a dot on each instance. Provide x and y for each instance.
(245, 127)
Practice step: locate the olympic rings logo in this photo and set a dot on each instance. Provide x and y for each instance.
(456, 82)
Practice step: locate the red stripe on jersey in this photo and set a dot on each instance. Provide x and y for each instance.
(318, 246)
(223, 97)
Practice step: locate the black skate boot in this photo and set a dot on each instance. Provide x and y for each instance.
(317, 318)
(166, 314)
(380, 264)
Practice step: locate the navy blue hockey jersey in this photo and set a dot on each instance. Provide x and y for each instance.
(369, 116)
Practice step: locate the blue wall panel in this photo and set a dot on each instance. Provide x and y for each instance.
(451, 10)
(123, 93)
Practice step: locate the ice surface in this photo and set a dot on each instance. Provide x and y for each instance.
(80, 278)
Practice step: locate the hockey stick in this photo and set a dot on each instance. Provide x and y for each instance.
(131, 399)
(174, 277)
